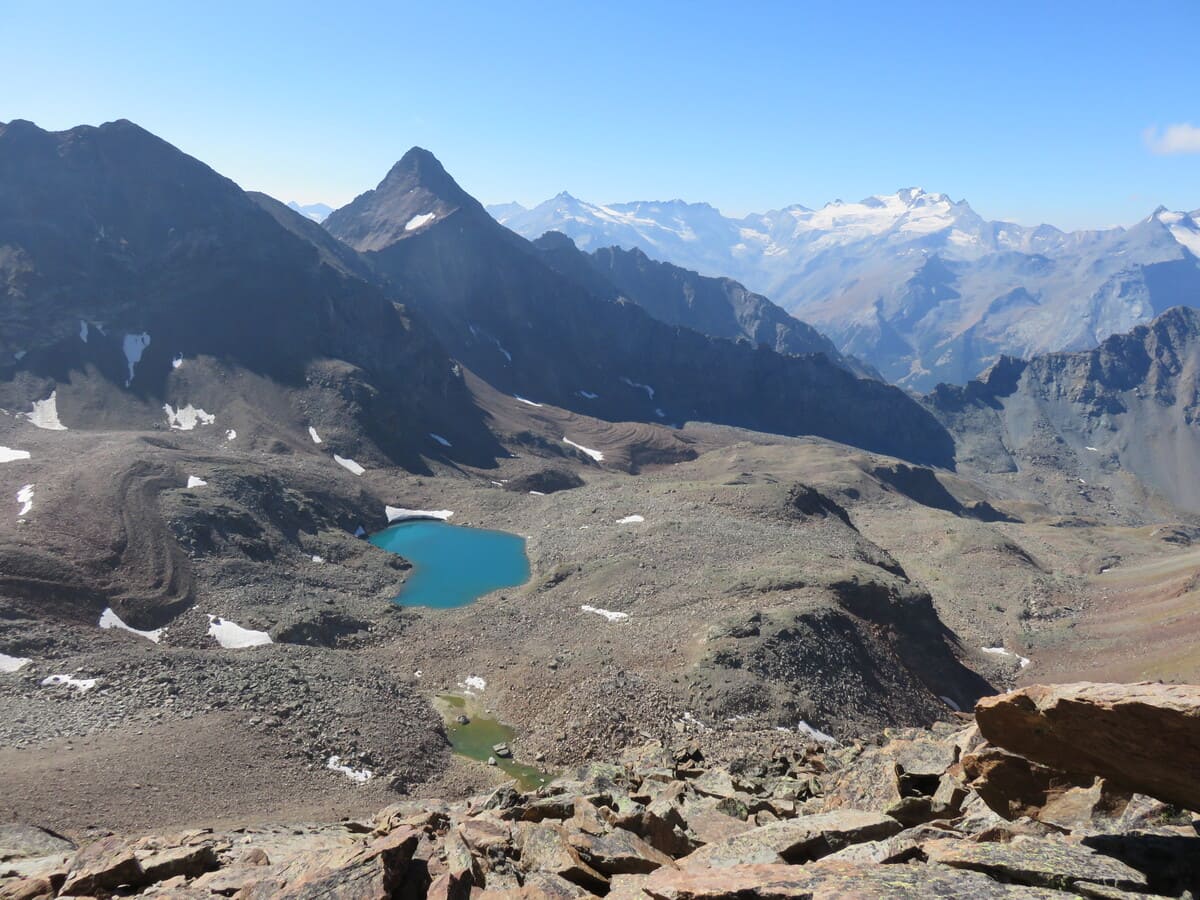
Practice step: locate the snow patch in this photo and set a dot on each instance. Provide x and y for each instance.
(195, 481)
(819, 736)
(538, 493)
(83, 331)
(109, 619)
(12, 663)
(950, 703)
(83, 685)
(230, 435)
(607, 613)
(318, 559)
(529, 402)
(1093, 449)
(25, 498)
(474, 683)
(441, 440)
(8, 454)
(417, 221)
(177, 361)
(45, 414)
(645, 387)
(232, 636)
(360, 775)
(1000, 651)
(629, 520)
(396, 513)
(594, 454)
(348, 464)
(187, 417)
(312, 433)
(134, 345)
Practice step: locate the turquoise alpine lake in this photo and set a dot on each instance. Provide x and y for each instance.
(453, 565)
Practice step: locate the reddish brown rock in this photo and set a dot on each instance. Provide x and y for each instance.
(105, 865)
(796, 840)
(1138, 736)
(1014, 787)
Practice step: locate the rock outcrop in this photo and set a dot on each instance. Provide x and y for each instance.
(1141, 737)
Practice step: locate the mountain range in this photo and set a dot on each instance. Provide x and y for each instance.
(917, 285)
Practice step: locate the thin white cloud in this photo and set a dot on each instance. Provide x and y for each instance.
(1181, 138)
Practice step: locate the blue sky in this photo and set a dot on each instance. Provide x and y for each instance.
(1031, 111)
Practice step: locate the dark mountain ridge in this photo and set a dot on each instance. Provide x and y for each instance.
(112, 241)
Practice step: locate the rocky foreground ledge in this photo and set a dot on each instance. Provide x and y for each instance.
(1069, 790)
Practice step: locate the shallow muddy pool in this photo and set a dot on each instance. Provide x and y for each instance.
(453, 565)
(477, 738)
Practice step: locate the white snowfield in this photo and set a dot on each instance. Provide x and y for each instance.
(630, 520)
(134, 345)
(474, 682)
(83, 685)
(187, 417)
(231, 435)
(417, 221)
(607, 613)
(1000, 651)
(359, 775)
(25, 498)
(525, 401)
(195, 481)
(13, 663)
(8, 454)
(397, 513)
(348, 464)
(233, 636)
(45, 414)
(109, 619)
(594, 454)
(441, 440)
(312, 433)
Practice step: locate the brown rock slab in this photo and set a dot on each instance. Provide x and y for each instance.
(824, 880)
(1038, 862)
(1013, 787)
(1134, 735)
(618, 853)
(545, 848)
(187, 861)
(795, 840)
(105, 865)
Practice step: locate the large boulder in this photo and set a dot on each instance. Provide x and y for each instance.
(1138, 736)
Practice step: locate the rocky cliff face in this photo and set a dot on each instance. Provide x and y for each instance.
(1129, 406)
(719, 307)
(528, 329)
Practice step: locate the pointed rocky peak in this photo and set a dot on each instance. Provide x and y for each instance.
(415, 195)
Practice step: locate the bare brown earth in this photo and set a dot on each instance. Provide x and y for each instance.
(752, 604)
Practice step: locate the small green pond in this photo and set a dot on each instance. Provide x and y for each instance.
(476, 739)
(453, 565)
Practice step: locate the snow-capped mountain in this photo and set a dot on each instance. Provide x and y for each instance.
(317, 212)
(915, 283)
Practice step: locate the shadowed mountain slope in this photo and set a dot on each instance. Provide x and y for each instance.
(530, 330)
